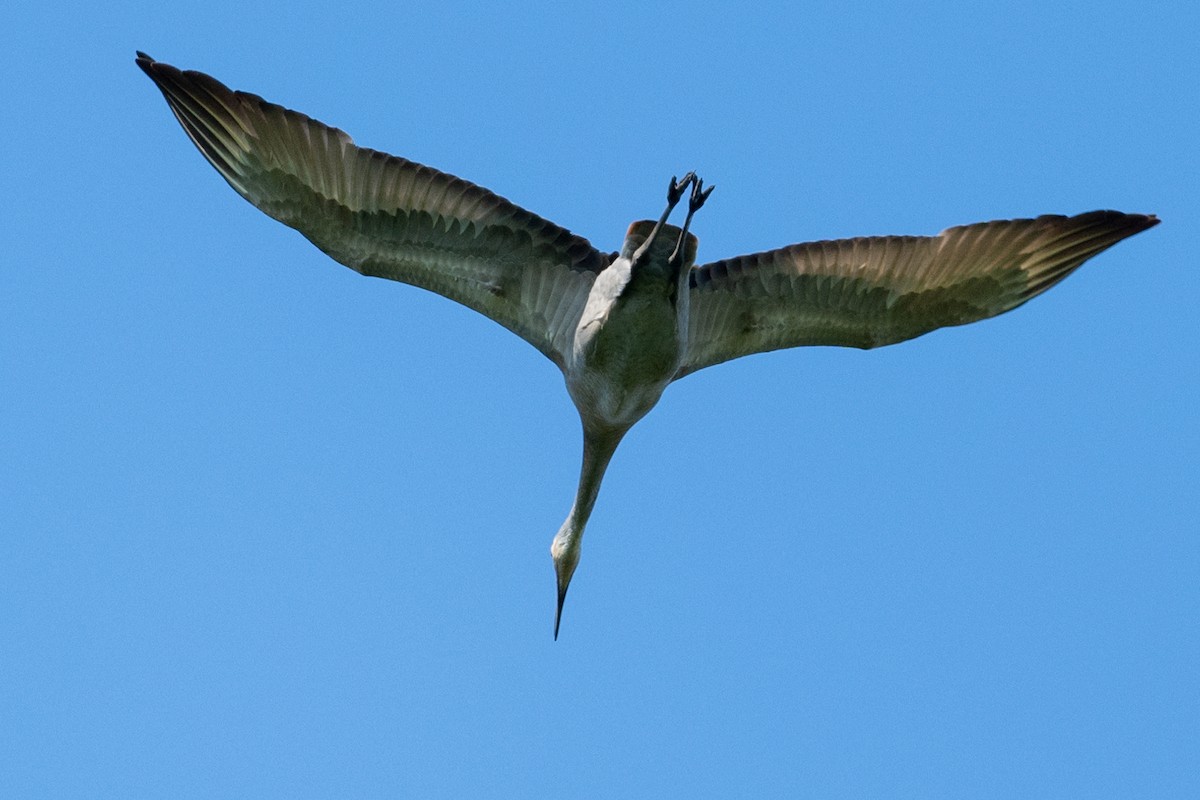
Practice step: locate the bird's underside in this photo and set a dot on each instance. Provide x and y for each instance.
(621, 326)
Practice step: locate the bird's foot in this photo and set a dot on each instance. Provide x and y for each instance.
(674, 195)
(676, 190)
(699, 195)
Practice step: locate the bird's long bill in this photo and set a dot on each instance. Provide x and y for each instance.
(562, 595)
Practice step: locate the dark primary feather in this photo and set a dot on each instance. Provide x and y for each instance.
(873, 291)
(386, 216)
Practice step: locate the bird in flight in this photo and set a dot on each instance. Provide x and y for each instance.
(621, 326)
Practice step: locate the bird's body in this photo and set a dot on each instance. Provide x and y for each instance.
(620, 326)
(631, 337)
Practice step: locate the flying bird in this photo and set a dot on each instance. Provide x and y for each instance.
(621, 326)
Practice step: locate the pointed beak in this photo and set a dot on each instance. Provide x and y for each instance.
(562, 595)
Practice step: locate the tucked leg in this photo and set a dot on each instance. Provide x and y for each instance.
(674, 195)
(699, 195)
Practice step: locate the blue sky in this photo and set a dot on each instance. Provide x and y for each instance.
(268, 528)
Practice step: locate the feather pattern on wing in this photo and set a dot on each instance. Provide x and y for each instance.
(386, 216)
(873, 291)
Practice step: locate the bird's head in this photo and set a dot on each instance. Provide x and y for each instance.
(565, 551)
(663, 245)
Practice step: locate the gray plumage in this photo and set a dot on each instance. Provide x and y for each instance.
(621, 326)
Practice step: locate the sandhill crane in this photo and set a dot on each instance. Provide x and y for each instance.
(620, 326)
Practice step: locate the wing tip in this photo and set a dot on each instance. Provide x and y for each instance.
(1113, 226)
(145, 62)
(167, 78)
(1142, 222)
(1122, 219)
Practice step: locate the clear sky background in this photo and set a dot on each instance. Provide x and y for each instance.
(271, 529)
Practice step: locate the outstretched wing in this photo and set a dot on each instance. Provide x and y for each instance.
(869, 292)
(386, 216)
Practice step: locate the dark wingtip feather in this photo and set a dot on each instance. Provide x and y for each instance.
(1121, 225)
(157, 71)
(145, 62)
(1145, 221)
(1141, 222)
(1134, 223)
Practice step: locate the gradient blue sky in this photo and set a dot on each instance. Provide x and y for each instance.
(270, 529)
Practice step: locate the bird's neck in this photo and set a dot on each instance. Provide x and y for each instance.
(598, 449)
